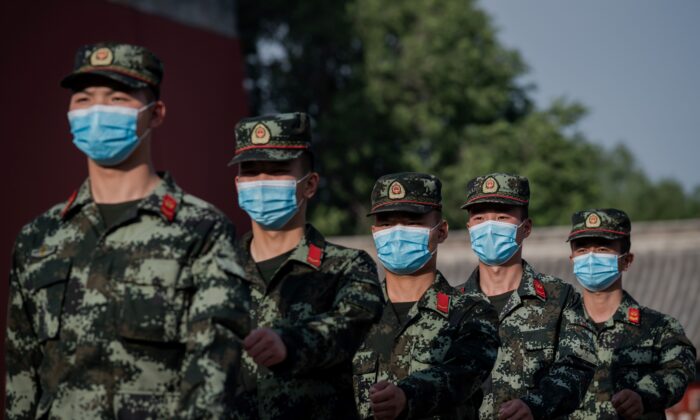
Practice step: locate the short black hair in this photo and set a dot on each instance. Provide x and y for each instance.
(308, 163)
(625, 244)
(524, 213)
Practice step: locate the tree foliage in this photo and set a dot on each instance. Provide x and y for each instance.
(425, 85)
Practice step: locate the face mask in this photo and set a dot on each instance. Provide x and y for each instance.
(595, 271)
(494, 242)
(106, 133)
(270, 203)
(403, 249)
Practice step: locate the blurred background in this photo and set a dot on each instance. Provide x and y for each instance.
(595, 102)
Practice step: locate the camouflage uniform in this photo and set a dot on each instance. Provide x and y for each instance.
(131, 320)
(448, 344)
(440, 357)
(321, 301)
(546, 357)
(122, 322)
(637, 348)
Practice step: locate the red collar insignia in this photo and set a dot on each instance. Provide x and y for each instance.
(443, 302)
(539, 289)
(168, 206)
(70, 202)
(633, 316)
(314, 255)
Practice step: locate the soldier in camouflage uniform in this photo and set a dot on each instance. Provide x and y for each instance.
(645, 360)
(434, 346)
(546, 359)
(125, 300)
(313, 301)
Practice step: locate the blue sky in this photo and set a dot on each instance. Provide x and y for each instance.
(634, 63)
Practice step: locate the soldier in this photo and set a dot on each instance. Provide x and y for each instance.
(434, 346)
(125, 298)
(645, 360)
(313, 301)
(546, 359)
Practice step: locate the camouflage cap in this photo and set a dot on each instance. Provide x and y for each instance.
(498, 188)
(131, 65)
(406, 191)
(272, 137)
(600, 223)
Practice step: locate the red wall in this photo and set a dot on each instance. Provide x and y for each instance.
(202, 89)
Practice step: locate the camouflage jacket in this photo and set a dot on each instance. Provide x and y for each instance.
(126, 321)
(547, 358)
(322, 302)
(641, 350)
(440, 356)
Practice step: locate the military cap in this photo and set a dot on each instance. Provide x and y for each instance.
(272, 137)
(499, 188)
(406, 191)
(600, 223)
(130, 65)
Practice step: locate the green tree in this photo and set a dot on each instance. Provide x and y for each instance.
(425, 85)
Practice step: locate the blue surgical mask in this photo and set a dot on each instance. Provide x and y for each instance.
(403, 249)
(494, 242)
(106, 133)
(271, 203)
(595, 271)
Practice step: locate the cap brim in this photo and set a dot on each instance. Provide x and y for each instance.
(87, 78)
(495, 200)
(596, 234)
(403, 207)
(268, 155)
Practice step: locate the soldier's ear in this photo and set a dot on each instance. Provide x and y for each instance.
(158, 114)
(526, 228)
(311, 185)
(443, 231)
(626, 261)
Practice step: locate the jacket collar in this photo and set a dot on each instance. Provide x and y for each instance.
(526, 288)
(437, 298)
(163, 200)
(310, 251)
(530, 287)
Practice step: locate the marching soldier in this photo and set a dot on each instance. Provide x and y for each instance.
(313, 301)
(125, 300)
(546, 359)
(434, 346)
(645, 361)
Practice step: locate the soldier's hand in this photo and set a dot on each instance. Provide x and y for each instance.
(265, 347)
(628, 404)
(387, 400)
(514, 410)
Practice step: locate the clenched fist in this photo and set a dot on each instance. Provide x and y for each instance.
(265, 347)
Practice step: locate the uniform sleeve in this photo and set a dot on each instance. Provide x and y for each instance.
(333, 337)
(562, 389)
(22, 353)
(217, 322)
(665, 387)
(468, 362)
